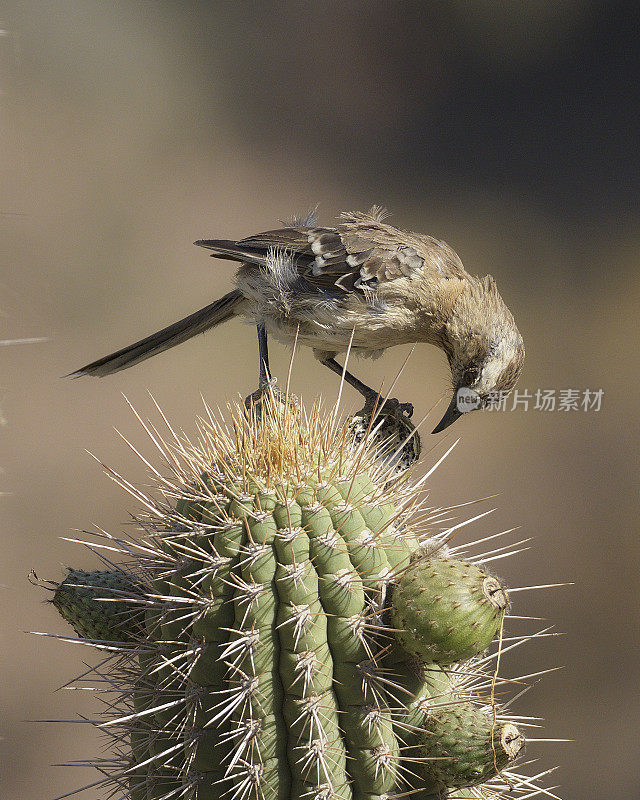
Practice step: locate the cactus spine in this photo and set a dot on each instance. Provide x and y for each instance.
(288, 630)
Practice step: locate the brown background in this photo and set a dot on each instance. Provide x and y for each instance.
(508, 129)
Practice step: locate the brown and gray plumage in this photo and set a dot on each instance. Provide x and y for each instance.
(362, 282)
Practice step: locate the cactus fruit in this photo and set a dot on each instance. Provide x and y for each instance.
(446, 610)
(464, 747)
(289, 630)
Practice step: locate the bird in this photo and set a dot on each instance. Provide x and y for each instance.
(360, 286)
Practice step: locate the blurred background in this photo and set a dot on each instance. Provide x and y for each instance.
(511, 130)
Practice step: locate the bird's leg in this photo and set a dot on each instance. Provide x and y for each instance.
(266, 383)
(263, 351)
(391, 406)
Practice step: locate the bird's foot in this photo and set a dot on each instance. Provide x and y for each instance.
(389, 408)
(392, 435)
(268, 396)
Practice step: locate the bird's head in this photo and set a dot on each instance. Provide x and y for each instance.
(484, 348)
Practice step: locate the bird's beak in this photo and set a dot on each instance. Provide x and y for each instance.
(450, 415)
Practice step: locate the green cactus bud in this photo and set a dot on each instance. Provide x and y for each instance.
(95, 604)
(288, 638)
(446, 610)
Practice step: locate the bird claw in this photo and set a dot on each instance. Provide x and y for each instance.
(390, 408)
(268, 389)
(392, 434)
(406, 409)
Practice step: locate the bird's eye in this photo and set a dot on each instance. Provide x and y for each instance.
(470, 375)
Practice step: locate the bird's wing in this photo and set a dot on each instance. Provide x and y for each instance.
(362, 252)
(256, 249)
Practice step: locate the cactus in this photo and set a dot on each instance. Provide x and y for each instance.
(288, 629)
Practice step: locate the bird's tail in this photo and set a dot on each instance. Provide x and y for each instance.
(198, 322)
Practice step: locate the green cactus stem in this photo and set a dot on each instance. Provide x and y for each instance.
(288, 627)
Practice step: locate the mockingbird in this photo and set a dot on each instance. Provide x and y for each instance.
(362, 284)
